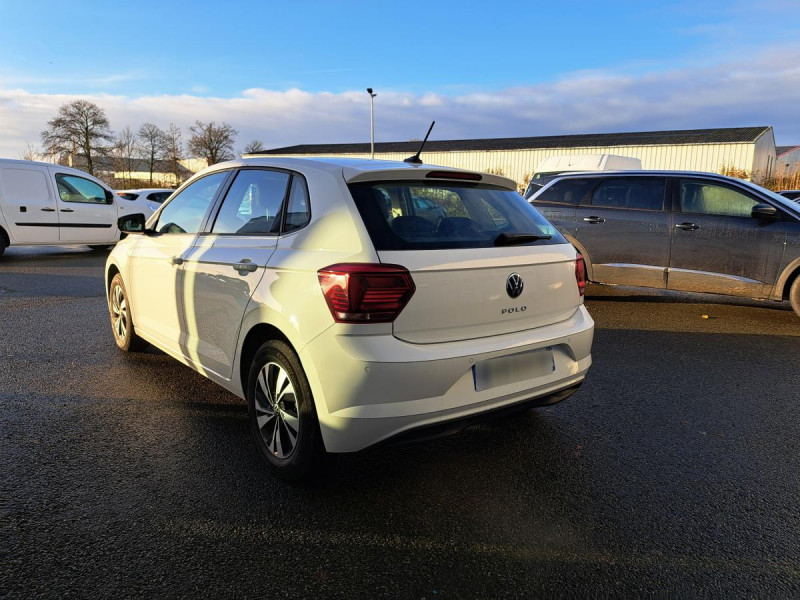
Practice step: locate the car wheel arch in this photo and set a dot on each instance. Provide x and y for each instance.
(786, 279)
(253, 340)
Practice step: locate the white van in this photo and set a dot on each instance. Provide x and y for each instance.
(577, 163)
(46, 204)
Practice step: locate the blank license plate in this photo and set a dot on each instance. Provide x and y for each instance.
(511, 369)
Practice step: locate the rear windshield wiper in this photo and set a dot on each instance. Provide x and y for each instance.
(514, 239)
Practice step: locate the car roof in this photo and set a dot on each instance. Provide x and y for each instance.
(36, 163)
(357, 169)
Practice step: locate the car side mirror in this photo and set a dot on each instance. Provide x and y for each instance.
(109, 197)
(132, 223)
(764, 211)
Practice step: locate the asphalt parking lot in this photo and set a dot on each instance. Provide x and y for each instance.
(673, 472)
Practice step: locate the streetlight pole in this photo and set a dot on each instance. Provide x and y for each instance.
(371, 123)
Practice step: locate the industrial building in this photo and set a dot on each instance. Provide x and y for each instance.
(740, 149)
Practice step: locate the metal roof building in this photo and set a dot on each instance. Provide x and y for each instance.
(749, 149)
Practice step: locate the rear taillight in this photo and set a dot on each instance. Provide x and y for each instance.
(365, 293)
(580, 273)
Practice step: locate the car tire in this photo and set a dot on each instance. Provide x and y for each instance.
(281, 411)
(119, 310)
(794, 295)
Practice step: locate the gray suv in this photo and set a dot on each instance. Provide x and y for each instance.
(696, 232)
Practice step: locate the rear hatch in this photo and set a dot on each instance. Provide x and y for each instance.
(483, 261)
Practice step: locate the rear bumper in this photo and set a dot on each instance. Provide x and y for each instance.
(370, 388)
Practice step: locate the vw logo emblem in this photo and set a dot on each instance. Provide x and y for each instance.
(514, 285)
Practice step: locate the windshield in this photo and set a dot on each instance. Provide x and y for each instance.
(417, 215)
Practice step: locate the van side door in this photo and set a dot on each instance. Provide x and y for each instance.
(558, 202)
(626, 230)
(28, 203)
(86, 211)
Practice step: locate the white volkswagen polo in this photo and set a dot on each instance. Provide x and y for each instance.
(344, 313)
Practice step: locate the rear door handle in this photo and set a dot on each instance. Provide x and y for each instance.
(67, 210)
(245, 265)
(176, 260)
(687, 226)
(594, 220)
(48, 209)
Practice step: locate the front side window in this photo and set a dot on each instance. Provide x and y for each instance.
(416, 215)
(253, 204)
(72, 188)
(630, 192)
(566, 191)
(185, 212)
(707, 198)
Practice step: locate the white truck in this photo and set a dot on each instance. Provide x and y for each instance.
(554, 166)
(46, 204)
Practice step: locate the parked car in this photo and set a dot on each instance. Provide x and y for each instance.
(553, 166)
(42, 203)
(345, 321)
(791, 194)
(677, 230)
(154, 197)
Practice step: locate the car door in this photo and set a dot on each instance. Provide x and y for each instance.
(86, 211)
(626, 230)
(717, 245)
(225, 265)
(154, 277)
(29, 205)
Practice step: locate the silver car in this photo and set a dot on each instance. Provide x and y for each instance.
(680, 230)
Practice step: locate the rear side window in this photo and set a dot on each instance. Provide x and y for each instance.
(415, 215)
(630, 192)
(298, 212)
(253, 204)
(567, 191)
(158, 196)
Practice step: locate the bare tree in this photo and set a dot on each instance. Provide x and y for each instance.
(253, 146)
(30, 152)
(125, 149)
(173, 146)
(152, 146)
(81, 127)
(212, 142)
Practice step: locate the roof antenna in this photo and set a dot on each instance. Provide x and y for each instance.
(415, 160)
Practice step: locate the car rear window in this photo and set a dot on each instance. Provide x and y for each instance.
(567, 191)
(416, 215)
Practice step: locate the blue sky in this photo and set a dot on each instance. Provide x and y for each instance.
(548, 67)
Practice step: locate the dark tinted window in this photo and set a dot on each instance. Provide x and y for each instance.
(253, 203)
(417, 215)
(128, 195)
(567, 191)
(185, 212)
(158, 196)
(298, 212)
(630, 192)
(707, 198)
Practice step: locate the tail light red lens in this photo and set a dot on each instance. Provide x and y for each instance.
(580, 273)
(365, 293)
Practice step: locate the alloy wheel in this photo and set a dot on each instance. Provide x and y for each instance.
(277, 412)
(119, 305)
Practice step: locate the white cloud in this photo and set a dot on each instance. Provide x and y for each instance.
(762, 89)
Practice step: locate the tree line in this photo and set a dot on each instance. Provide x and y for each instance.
(81, 134)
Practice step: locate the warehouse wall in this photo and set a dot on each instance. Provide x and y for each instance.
(764, 156)
(516, 164)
